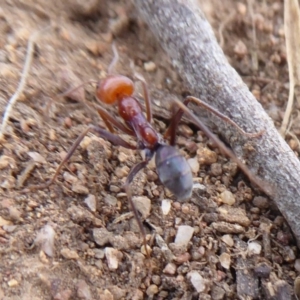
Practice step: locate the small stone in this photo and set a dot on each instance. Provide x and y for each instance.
(165, 206)
(206, 156)
(261, 202)
(106, 295)
(5, 161)
(225, 227)
(227, 198)
(194, 164)
(149, 66)
(110, 200)
(170, 269)
(112, 256)
(152, 290)
(69, 254)
(197, 281)
(263, 270)
(37, 157)
(143, 205)
(228, 240)
(90, 201)
(240, 49)
(225, 260)
(83, 290)
(254, 248)
(216, 169)
(98, 253)
(13, 283)
(102, 236)
(184, 234)
(68, 177)
(80, 189)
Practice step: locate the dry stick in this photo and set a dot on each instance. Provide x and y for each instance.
(21, 86)
(188, 38)
(292, 33)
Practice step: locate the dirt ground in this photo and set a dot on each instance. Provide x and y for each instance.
(78, 239)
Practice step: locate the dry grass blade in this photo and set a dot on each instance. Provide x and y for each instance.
(21, 86)
(292, 33)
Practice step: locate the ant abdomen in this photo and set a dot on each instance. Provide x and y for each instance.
(114, 88)
(174, 172)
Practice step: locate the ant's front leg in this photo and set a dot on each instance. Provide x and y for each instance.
(113, 138)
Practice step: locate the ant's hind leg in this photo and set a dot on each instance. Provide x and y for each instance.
(133, 172)
(171, 130)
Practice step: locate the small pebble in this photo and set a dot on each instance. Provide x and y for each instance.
(184, 234)
(80, 189)
(197, 281)
(110, 200)
(165, 206)
(90, 201)
(112, 256)
(240, 49)
(225, 260)
(262, 270)
(228, 240)
(261, 202)
(149, 66)
(13, 283)
(194, 164)
(83, 290)
(152, 290)
(69, 254)
(102, 236)
(254, 248)
(170, 269)
(227, 197)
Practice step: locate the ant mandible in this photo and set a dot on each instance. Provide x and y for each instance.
(173, 170)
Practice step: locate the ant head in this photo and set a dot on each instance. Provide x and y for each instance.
(114, 88)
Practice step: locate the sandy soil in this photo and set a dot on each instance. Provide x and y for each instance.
(78, 239)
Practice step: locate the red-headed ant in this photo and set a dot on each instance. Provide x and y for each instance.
(173, 170)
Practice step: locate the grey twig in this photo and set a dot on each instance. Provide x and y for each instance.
(188, 38)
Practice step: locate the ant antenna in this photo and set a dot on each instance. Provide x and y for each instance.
(115, 59)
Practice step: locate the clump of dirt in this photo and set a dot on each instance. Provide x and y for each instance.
(78, 239)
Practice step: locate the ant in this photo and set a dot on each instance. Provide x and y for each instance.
(173, 170)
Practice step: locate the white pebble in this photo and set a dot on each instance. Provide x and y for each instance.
(184, 234)
(149, 66)
(228, 240)
(45, 238)
(227, 197)
(225, 260)
(194, 164)
(165, 206)
(112, 255)
(197, 281)
(90, 201)
(254, 248)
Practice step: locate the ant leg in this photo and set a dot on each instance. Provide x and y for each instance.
(146, 96)
(261, 184)
(133, 172)
(176, 118)
(114, 139)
